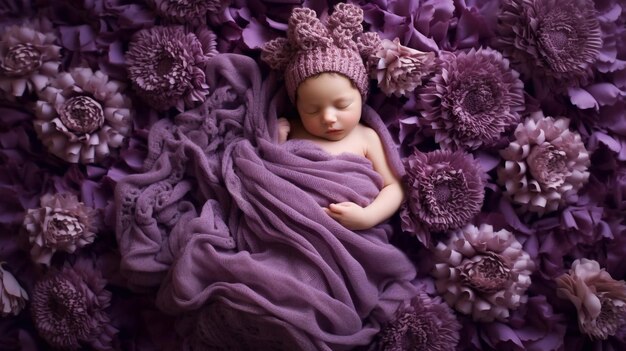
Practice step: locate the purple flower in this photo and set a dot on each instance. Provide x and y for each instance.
(68, 308)
(545, 165)
(219, 326)
(482, 273)
(12, 296)
(61, 223)
(555, 42)
(28, 58)
(187, 10)
(425, 324)
(473, 99)
(400, 69)
(599, 299)
(166, 66)
(533, 326)
(82, 115)
(445, 191)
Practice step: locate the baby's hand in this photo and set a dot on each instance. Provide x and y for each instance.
(349, 214)
(283, 129)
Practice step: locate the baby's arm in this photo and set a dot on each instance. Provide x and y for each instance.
(355, 217)
(283, 129)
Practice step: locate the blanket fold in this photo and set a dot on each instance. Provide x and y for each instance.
(225, 217)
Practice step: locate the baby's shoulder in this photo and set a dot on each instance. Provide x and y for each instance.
(367, 134)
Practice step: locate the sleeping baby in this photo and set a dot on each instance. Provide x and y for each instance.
(328, 82)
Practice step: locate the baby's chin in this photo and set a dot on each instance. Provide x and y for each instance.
(334, 135)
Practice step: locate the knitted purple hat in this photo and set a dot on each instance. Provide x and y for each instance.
(312, 47)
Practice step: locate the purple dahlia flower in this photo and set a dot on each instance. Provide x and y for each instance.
(61, 223)
(12, 296)
(82, 115)
(68, 308)
(545, 165)
(28, 58)
(446, 190)
(482, 273)
(473, 99)
(166, 65)
(187, 10)
(219, 326)
(553, 41)
(425, 324)
(599, 299)
(400, 69)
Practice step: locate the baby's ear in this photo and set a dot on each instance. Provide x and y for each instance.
(277, 53)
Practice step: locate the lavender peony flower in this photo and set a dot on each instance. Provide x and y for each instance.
(482, 273)
(599, 299)
(12, 296)
(61, 223)
(82, 115)
(400, 69)
(473, 99)
(187, 10)
(545, 165)
(68, 308)
(166, 65)
(553, 41)
(28, 58)
(445, 192)
(426, 324)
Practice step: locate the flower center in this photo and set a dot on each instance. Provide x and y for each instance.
(556, 39)
(442, 194)
(548, 165)
(81, 114)
(477, 100)
(164, 65)
(20, 60)
(612, 317)
(61, 313)
(487, 273)
(409, 332)
(61, 228)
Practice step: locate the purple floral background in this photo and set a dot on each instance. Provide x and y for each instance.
(510, 117)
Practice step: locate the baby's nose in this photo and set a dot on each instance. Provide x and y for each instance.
(329, 116)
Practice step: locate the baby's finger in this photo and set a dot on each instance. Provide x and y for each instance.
(337, 208)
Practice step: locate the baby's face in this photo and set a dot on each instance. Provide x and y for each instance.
(329, 106)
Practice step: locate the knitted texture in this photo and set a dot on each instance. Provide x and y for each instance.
(313, 47)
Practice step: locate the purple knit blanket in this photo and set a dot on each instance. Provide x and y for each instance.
(223, 215)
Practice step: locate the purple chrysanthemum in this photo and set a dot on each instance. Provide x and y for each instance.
(482, 273)
(187, 10)
(400, 69)
(166, 65)
(599, 299)
(28, 58)
(546, 164)
(68, 308)
(219, 326)
(426, 324)
(473, 99)
(82, 115)
(12, 296)
(445, 192)
(553, 41)
(61, 223)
